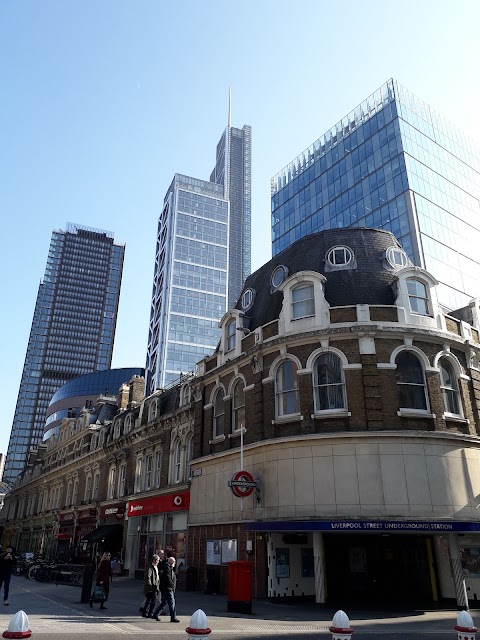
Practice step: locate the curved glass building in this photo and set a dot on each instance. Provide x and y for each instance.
(82, 392)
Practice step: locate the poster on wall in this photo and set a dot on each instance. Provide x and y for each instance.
(308, 570)
(214, 552)
(229, 550)
(470, 561)
(283, 563)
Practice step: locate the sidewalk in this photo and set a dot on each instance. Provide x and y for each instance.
(269, 615)
(57, 610)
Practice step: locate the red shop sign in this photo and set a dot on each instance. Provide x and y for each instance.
(116, 510)
(179, 501)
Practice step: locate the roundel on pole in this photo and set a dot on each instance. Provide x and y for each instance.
(242, 484)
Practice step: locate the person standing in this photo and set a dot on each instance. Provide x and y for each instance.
(168, 583)
(151, 586)
(8, 560)
(104, 575)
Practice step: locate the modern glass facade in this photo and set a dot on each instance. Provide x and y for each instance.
(203, 256)
(190, 279)
(83, 392)
(72, 331)
(392, 163)
(233, 169)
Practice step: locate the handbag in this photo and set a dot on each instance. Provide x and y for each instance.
(98, 594)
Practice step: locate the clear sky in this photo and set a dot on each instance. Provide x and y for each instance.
(102, 101)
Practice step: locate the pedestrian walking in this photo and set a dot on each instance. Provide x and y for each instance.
(151, 586)
(161, 556)
(168, 583)
(8, 560)
(104, 575)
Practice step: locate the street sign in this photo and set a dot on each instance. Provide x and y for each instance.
(242, 484)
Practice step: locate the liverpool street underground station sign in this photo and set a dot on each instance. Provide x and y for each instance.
(242, 484)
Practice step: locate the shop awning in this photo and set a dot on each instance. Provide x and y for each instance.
(104, 531)
(64, 536)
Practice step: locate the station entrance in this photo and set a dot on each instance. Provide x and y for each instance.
(388, 570)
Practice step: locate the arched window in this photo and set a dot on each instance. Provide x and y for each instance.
(328, 383)
(238, 406)
(75, 492)
(218, 415)
(96, 483)
(189, 457)
(231, 335)
(303, 302)
(68, 499)
(122, 476)
(410, 381)
(88, 488)
(111, 482)
(177, 462)
(152, 413)
(286, 389)
(449, 387)
(418, 296)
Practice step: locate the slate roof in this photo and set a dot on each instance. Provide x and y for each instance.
(368, 283)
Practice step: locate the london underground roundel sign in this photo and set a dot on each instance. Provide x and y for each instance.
(242, 484)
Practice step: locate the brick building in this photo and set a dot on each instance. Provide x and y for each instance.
(126, 452)
(342, 390)
(356, 397)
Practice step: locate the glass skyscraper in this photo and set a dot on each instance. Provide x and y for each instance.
(392, 163)
(72, 331)
(202, 258)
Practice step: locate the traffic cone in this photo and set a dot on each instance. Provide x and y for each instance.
(18, 627)
(464, 627)
(340, 628)
(198, 629)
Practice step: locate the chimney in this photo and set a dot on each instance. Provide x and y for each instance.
(137, 388)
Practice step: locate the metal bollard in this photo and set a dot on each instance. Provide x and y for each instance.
(198, 629)
(18, 626)
(340, 628)
(464, 627)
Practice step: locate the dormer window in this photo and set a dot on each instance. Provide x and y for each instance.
(278, 276)
(230, 335)
(303, 301)
(396, 257)
(339, 256)
(247, 299)
(418, 297)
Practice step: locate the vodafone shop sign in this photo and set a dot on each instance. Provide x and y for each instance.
(179, 501)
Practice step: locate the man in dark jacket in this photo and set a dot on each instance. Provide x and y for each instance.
(168, 582)
(7, 561)
(151, 587)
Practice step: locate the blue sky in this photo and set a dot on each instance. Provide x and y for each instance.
(102, 101)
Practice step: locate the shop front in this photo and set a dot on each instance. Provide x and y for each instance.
(108, 535)
(86, 523)
(112, 524)
(155, 523)
(64, 537)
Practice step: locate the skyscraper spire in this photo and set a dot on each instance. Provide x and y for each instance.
(229, 106)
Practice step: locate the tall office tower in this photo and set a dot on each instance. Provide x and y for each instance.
(202, 258)
(233, 169)
(392, 163)
(72, 331)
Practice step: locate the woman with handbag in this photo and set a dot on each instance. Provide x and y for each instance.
(102, 583)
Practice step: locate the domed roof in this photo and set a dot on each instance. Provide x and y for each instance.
(366, 279)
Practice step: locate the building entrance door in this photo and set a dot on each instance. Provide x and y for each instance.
(375, 569)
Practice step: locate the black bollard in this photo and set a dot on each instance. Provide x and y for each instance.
(87, 583)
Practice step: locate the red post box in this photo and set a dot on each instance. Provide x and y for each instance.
(239, 598)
